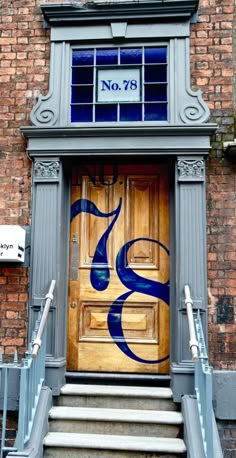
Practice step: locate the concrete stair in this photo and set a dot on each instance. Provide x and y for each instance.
(107, 421)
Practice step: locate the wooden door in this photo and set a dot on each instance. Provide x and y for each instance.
(118, 309)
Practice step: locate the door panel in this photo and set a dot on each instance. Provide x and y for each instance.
(142, 199)
(119, 269)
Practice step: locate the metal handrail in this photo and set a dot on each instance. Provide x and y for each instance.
(32, 376)
(37, 342)
(202, 375)
(193, 342)
(203, 390)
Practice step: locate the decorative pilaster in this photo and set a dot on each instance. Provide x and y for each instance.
(48, 258)
(192, 228)
(190, 266)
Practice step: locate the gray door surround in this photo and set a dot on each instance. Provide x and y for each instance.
(53, 142)
(51, 217)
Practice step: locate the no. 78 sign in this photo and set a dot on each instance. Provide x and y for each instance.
(119, 85)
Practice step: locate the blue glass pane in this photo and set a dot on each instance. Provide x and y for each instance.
(155, 112)
(106, 56)
(130, 112)
(82, 57)
(155, 92)
(106, 113)
(131, 56)
(82, 75)
(155, 55)
(81, 113)
(154, 74)
(159, 72)
(82, 94)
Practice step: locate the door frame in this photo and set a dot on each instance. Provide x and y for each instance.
(51, 150)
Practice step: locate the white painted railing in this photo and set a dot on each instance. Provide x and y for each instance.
(203, 390)
(202, 375)
(193, 343)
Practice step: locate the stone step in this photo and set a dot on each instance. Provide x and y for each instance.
(115, 421)
(114, 378)
(71, 445)
(104, 396)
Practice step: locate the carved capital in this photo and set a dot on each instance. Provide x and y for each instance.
(191, 169)
(46, 170)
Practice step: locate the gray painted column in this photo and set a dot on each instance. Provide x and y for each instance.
(190, 264)
(50, 222)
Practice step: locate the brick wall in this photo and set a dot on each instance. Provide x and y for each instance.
(227, 433)
(24, 69)
(13, 312)
(212, 72)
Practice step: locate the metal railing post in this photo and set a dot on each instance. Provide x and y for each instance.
(22, 407)
(4, 413)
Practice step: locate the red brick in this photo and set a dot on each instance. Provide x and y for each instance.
(13, 323)
(12, 315)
